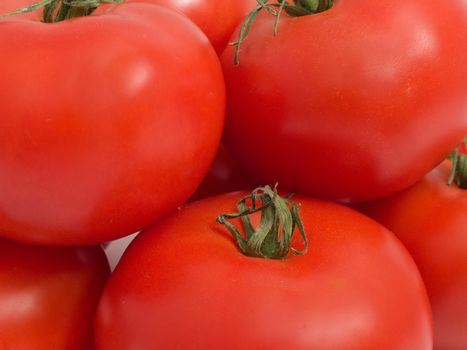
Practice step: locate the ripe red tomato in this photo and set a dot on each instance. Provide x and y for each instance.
(217, 19)
(7, 6)
(105, 126)
(353, 103)
(224, 175)
(48, 296)
(184, 284)
(430, 219)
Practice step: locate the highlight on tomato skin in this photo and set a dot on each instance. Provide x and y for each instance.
(430, 220)
(184, 283)
(48, 296)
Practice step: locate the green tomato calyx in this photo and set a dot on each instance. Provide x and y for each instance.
(459, 166)
(297, 9)
(272, 239)
(60, 10)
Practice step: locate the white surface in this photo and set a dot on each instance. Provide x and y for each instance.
(115, 249)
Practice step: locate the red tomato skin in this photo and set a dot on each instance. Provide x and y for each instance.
(183, 284)
(48, 296)
(224, 175)
(217, 19)
(107, 132)
(7, 6)
(430, 219)
(352, 104)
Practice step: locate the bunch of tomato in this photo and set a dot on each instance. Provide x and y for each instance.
(295, 170)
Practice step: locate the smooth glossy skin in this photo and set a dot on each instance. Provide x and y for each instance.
(102, 134)
(217, 19)
(430, 219)
(354, 103)
(183, 284)
(48, 296)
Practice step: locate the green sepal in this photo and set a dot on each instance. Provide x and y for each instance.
(272, 239)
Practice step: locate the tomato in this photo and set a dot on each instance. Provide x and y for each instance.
(183, 284)
(217, 19)
(430, 219)
(48, 296)
(7, 6)
(105, 126)
(354, 103)
(224, 175)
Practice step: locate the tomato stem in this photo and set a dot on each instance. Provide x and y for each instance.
(279, 217)
(60, 10)
(297, 9)
(459, 166)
